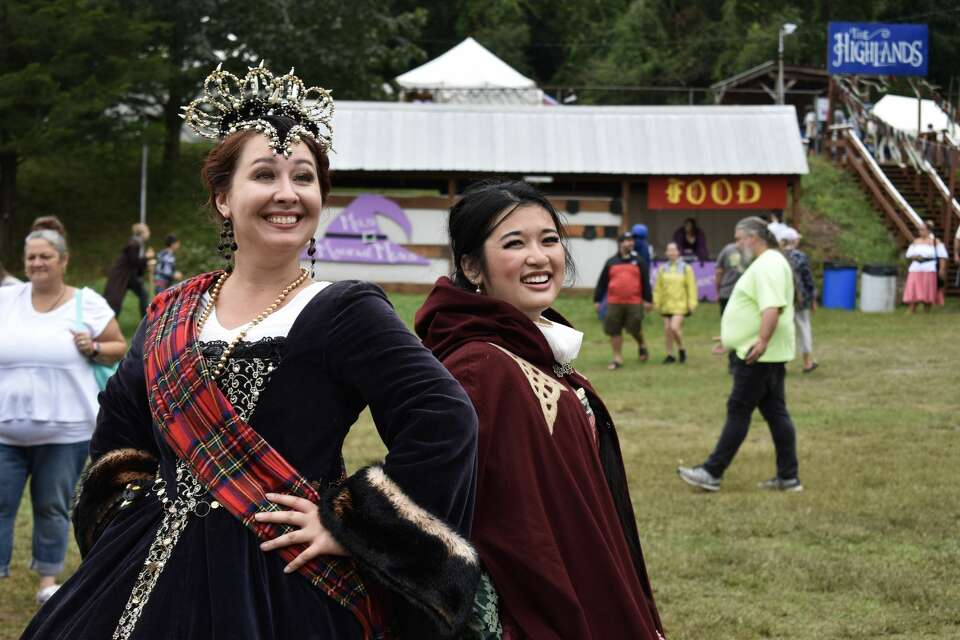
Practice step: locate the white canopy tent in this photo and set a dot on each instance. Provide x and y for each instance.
(470, 74)
(900, 112)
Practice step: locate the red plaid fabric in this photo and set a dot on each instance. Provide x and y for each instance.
(227, 456)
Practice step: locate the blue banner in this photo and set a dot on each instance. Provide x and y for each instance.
(869, 48)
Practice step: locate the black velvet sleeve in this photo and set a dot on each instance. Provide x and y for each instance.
(422, 413)
(123, 452)
(124, 420)
(405, 523)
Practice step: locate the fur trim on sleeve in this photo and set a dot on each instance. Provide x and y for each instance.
(102, 490)
(406, 549)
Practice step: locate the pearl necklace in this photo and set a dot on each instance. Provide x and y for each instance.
(221, 365)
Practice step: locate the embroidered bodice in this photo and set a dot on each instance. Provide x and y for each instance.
(248, 370)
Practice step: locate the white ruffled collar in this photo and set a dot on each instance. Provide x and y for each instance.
(564, 341)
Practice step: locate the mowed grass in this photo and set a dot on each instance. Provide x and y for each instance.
(869, 550)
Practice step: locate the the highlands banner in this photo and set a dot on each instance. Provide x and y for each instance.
(869, 48)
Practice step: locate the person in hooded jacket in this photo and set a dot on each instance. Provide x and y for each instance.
(553, 521)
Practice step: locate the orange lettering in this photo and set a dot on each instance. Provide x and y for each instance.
(748, 192)
(696, 192)
(721, 191)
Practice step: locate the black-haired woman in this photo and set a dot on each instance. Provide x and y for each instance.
(553, 522)
(691, 241)
(217, 504)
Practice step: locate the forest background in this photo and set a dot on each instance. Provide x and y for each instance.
(94, 79)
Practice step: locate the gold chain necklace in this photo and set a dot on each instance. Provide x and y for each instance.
(221, 365)
(63, 290)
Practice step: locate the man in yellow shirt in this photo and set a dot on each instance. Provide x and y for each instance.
(758, 325)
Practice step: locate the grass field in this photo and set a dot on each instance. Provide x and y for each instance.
(869, 550)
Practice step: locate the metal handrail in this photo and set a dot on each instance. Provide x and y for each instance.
(882, 178)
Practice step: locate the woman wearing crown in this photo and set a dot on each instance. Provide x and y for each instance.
(217, 504)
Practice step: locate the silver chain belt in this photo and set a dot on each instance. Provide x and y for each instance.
(189, 500)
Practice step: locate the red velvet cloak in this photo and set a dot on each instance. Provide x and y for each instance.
(553, 521)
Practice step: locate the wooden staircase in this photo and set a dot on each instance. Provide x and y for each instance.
(919, 191)
(909, 191)
(904, 195)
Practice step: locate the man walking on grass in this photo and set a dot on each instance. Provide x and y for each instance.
(758, 325)
(625, 282)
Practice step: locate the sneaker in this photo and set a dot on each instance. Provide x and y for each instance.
(46, 593)
(699, 477)
(669, 360)
(779, 484)
(683, 356)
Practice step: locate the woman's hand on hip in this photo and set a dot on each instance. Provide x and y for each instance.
(311, 532)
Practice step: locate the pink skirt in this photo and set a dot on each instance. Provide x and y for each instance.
(922, 287)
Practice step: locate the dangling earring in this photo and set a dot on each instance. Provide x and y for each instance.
(227, 244)
(312, 252)
(479, 290)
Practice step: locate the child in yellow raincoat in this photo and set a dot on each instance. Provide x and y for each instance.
(675, 297)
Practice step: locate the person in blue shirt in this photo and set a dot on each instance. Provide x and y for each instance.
(640, 244)
(165, 273)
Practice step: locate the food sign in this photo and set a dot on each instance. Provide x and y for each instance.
(717, 192)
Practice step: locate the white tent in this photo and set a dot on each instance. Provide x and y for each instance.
(900, 112)
(470, 73)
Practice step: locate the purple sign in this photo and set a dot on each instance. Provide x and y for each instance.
(705, 273)
(355, 236)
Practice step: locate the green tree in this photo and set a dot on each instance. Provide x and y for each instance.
(185, 39)
(350, 48)
(499, 25)
(63, 63)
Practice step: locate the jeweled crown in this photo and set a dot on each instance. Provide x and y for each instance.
(229, 105)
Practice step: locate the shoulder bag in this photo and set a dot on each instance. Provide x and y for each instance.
(101, 372)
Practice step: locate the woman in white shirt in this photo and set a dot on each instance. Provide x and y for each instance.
(50, 334)
(928, 265)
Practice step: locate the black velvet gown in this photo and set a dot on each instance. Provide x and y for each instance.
(346, 350)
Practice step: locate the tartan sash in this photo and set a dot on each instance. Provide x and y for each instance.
(225, 454)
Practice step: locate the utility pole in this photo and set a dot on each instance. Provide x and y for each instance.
(785, 30)
(143, 183)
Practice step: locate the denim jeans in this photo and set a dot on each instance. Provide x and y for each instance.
(758, 385)
(53, 470)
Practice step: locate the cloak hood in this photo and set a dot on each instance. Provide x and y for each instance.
(451, 317)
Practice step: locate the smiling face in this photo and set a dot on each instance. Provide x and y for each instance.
(672, 252)
(524, 260)
(43, 264)
(274, 202)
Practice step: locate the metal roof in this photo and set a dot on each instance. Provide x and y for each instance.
(675, 140)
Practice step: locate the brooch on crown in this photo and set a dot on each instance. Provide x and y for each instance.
(230, 104)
